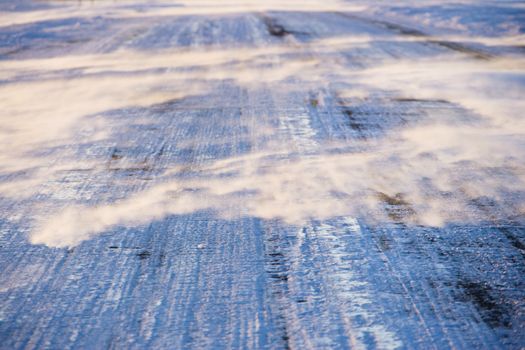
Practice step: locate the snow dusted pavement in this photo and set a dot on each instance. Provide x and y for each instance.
(262, 174)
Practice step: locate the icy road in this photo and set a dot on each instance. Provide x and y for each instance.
(244, 174)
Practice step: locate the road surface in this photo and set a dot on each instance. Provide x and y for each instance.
(262, 175)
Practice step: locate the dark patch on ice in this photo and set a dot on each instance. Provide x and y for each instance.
(278, 270)
(286, 340)
(143, 255)
(278, 30)
(461, 48)
(395, 200)
(274, 28)
(116, 154)
(403, 30)
(349, 113)
(352, 121)
(280, 276)
(492, 311)
(397, 208)
(411, 99)
(400, 29)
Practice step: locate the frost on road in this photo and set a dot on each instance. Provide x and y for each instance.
(242, 174)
